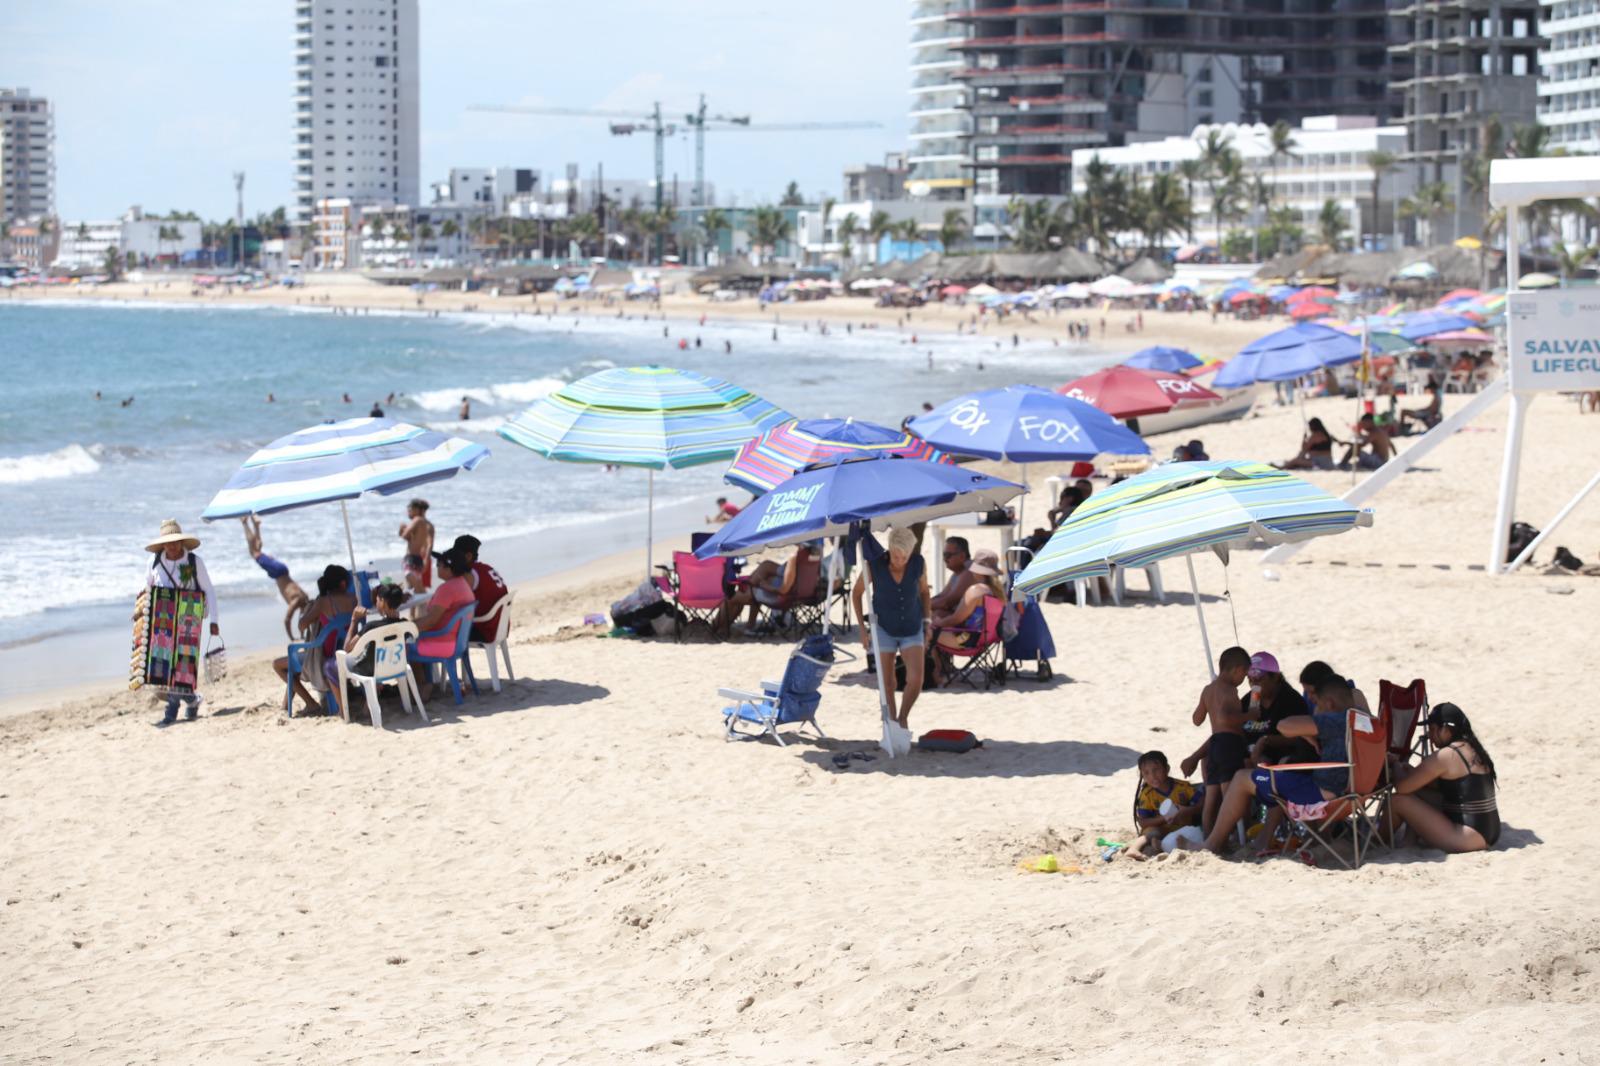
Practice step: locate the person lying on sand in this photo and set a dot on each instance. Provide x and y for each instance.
(288, 588)
(1304, 794)
(1163, 805)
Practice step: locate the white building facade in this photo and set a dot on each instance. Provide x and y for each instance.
(1329, 162)
(155, 238)
(940, 154)
(356, 100)
(27, 156)
(84, 243)
(1569, 74)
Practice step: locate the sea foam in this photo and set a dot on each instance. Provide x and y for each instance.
(70, 461)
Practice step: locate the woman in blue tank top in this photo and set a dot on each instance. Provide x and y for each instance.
(900, 614)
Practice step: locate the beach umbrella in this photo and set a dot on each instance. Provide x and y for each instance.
(1289, 354)
(1421, 270)
(788, 448)
(1314, 292)
(1128, 392)
(1111, 285)
(1179, 509)
(849, 497)
(1025, 424)
(1538, 281)
(1420, 324)
(649, 416)
(340, 461)
(1309, 309)
(1161, 357)
(1455, 296)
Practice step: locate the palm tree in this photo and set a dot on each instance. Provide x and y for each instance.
(768, 227)
(910, 231)
(1281, 146)
(791, 196)
(1331, 224)
(713, 220)
(877, 226)
(1190, 171)
(1226, 179)
(849, 226)
(584, 229)
(1572, 261)
(1164, 209)
(1098, 194)
(425, 233)
(449, 229)
(113, 263)
(1259, 194)
(1380, 163)
(1428, 203)
(376, 227)
(951, 229)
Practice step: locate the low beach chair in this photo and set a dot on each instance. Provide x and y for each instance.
(986, 656)
(448, 649)
(389, 666)
(336, 626)
(1353, 809)
(1403, 709)
(499, 642)
(790, 701)
(696, 588)
(801, 609)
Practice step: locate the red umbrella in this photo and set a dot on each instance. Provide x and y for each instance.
(1128, 392)
(1309, 309)
(1246, 297)
(1313, 292)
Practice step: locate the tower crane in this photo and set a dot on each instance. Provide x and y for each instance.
(652, 122)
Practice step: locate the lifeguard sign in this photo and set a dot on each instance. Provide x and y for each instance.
(1552, 337)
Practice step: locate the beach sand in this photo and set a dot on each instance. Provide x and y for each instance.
(580, 869)
(1196, 331)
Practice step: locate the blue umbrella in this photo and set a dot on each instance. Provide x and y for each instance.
(1288, 354)
(340, 461)
(1160, 357)
(849, 497)
(1427, 323)
(1026, 424)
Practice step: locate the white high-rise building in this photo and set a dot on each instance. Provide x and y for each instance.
(356, 97)
(27, 156)
(1569, 74)
(941, 122)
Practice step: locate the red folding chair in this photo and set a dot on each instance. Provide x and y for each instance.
(1403, 711)
(695, 587)
(987, 654)
(802, 607)
(1368, 747)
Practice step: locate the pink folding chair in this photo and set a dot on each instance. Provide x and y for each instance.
(986, 656)
(695, 587)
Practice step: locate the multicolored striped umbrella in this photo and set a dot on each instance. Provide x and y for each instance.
(1183, 508)
(783, 451)
(647, 416)
(340, 461)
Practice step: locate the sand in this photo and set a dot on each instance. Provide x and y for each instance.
(580, 869)
(1196, 331)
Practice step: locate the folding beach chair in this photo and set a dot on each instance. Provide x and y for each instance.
(1402, 711)
(389, 666)
(790, 701)
(985, 657)
(1368, 745)
(801, 609)
(696, 588)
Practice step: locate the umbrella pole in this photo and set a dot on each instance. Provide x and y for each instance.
(828, 597)
(650, 526)
(1022, 501)
(877, 663)
(349, 544)
(1205, 639)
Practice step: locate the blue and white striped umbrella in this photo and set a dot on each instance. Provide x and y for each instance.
(1178, 509)
(340, 461)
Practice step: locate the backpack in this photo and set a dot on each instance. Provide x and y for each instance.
(1522, 535)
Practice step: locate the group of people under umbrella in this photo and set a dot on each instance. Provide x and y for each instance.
(842, 478)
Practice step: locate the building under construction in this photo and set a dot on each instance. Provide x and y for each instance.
(1044, 78)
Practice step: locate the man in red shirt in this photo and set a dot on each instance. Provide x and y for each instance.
(487, 586)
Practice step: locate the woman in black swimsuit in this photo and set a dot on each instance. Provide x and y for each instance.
(1461, 814)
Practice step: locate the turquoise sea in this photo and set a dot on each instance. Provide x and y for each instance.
(85, 482)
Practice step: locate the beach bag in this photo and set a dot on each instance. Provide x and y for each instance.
(958, 741)
(1522, 535)
(216, 662)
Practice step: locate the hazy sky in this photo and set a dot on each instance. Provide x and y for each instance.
(158, 102)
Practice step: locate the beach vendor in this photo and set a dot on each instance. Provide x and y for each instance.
(175, 631)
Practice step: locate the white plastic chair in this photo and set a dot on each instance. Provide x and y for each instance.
(499, 641)
(389, 665)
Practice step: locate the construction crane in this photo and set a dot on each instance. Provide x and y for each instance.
(698, 120)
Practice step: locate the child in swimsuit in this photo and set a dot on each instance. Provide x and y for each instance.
(1228, 749)
(1163, 805)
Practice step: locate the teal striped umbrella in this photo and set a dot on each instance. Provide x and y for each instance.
(1183, 508)
(649, 416)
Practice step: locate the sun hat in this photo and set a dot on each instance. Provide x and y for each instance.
(984, 564)
(172, 533)
(1263, 663)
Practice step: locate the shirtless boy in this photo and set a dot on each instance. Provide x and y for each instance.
(1228, 749)
(418, 535)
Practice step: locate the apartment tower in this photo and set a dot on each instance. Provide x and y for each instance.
(356, 96)
(27, 156)
(1569, 74)
(940, 156)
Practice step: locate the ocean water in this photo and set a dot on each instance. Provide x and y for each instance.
(84, 483)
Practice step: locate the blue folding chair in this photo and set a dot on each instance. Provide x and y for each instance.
(338, 625)
(791, 701)
(461, 622)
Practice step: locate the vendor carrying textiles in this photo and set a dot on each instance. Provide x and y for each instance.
(176, 566)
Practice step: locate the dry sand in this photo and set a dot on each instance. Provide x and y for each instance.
(580, 869)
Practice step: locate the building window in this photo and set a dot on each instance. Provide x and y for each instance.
(1203, 98)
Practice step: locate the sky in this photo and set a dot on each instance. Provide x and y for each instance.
(158, 102)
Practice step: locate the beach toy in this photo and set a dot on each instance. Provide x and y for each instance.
(1109, 848)
(1047, 864)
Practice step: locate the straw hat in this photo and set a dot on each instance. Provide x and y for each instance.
(172, 533)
